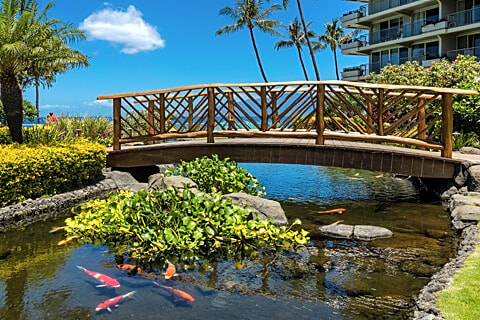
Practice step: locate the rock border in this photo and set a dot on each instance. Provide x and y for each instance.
(31, 211)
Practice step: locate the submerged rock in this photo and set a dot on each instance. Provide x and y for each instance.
(264, 208)
(360, 232)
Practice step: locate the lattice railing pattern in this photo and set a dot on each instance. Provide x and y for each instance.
(418, 116)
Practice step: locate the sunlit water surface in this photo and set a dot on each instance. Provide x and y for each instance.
(343, 279)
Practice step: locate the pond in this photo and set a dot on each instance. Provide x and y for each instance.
(333, 279)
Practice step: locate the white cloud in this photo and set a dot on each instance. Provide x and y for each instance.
(100, 103)
(126, 28)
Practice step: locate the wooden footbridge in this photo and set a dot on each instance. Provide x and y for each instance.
(399, 129)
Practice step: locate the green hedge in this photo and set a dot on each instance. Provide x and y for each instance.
(32, 171)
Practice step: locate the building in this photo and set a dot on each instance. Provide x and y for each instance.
(396, 31)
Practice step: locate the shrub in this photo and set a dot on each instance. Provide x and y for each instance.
(463, 73)
(179, 226)
(215, 175)
(31, 171)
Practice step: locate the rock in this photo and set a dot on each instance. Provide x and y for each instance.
(420, 269)
(125, 181)
(474, 179)
(158, 182)
(371, 232)
(467, 213)
(470, 150)
(264, 208)
(461, 177)
(458, 200)
(449, 193)
(341, 231)
(162, 168)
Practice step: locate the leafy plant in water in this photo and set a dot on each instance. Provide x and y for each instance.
(215, 175)
(178, 226)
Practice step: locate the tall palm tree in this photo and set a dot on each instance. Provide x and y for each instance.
(27, 38)
(250, 14)
(311, 48)
(296, 38)
(333, 37)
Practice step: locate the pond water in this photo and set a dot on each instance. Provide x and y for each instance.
(333, 279)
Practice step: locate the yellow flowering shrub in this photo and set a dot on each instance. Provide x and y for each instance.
(32, 171)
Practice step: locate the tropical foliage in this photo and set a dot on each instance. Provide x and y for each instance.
(31, 47)
(333, 37)
(31, 171)
(250, 14)
(463, 73)
(179, 226)
(296, 38)
(29, 112)
(214, 175)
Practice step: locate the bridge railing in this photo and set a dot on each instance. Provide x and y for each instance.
(405, 115)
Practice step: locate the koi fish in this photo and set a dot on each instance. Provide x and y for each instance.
(170, 271)
(106, 305)
(65, 241)
(339, 210)
(336, 222)
(379, 176)
(105, 280)
(177, 293)
(129, 268)
(56, 229)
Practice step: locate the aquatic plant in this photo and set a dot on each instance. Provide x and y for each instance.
(180, 226)
(215, 175)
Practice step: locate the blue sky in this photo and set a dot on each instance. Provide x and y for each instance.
(156, 44)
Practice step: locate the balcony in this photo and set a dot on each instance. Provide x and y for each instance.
(356, 73)
(402, 31)
(352, 17)
(354, 44)
(383, 5)
(474, 51)
(464, 18)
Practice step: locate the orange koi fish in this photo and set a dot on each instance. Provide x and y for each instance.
(129, 267)
(105, 280)
(339, 210)
(108, 304)
(65, 241)
(177, 293)
(379, 176)
(170, 271)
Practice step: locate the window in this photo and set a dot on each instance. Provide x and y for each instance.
(418, 51)
(432, 50)
(403, 55)
(432, 15)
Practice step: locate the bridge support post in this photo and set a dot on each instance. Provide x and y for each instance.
(231, 115)
(447, 125)
(319, 114)
(274, 109)
(190, 113)
(421, 121)
(369, 118)
(263, 94)
(117, 129)
(380, 112)
(161, 102)
(211, 115)
(151, 125)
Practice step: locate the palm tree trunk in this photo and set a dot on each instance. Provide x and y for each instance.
(301, 62)
(37, 101)
(336, 62)
(312, 55)
(258, 56)
(12, 99)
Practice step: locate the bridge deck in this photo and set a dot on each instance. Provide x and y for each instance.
(344, 154)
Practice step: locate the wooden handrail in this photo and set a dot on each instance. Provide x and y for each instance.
(294, 83)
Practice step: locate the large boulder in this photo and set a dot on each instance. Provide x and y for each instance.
(125, 181)
(264, 208)
(474, 178)
(469, 199)
(341, 231)
(470, 150)
(158, 182)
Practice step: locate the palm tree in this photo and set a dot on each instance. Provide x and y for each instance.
(296, 38)
(250, 14)
(333, 37)
(311, 48)
(27, 39)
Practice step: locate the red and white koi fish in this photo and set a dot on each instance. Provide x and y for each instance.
(105, 280)
(114, 302)
(339, 210)
(170, 271)
(177, 293)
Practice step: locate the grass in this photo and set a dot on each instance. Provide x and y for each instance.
(461, 301)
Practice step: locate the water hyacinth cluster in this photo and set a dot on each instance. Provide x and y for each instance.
(180, 226)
